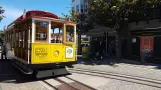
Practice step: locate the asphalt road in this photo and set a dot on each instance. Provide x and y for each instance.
(13, 79)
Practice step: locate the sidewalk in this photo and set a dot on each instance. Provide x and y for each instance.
(127, 67)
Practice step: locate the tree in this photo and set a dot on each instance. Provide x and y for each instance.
(1, 34)
(83, 24)
(114, 14)
(1, 12)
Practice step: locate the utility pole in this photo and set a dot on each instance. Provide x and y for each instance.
(106, 38)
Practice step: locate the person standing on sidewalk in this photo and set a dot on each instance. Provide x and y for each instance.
(3, 52)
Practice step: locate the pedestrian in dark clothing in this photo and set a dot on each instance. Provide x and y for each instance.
(101, 49)
(3, 52)
(93, 48)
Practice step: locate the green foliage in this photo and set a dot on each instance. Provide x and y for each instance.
(1, 34)
(1, 12)
(74, 16)
(83, 22)
(114, 13)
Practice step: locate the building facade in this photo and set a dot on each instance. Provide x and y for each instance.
(80, 5)
(148, 28)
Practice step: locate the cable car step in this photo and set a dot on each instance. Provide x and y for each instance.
(49, 73)
(23, 70)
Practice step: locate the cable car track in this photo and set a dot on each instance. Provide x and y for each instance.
(121, 77)
(59, 84)
(90, 88)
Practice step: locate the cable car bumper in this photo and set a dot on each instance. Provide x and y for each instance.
(51, 65)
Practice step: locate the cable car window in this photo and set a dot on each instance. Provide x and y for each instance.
(23, 39)
(10, 37)
(12, 40)
(41, 30)
(43, 24)
(56, 33)
(69, 33)
(17, 40)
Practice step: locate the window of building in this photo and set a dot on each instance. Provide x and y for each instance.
(73, 0)
(86, 7)
(82, 6)
(77, 8)
(82, 9)
(73, 8)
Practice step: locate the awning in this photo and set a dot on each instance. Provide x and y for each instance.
(98, 31)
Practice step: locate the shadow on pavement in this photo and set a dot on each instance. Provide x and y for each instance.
(158, 67)
(10, 74)
(113, 62)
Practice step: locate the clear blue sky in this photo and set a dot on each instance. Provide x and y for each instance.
(15, 8)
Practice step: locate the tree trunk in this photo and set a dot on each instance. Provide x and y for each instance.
(118, 46)
(79, 43)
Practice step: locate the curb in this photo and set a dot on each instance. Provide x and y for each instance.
(141, 66)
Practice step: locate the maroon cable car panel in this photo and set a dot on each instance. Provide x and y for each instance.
(39, 14)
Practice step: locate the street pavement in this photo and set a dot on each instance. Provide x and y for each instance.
(12, 79)
(101, 83)
(135, 68)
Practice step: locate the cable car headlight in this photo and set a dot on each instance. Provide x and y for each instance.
(56, 52)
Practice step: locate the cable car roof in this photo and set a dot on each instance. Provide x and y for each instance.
(35, 14)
